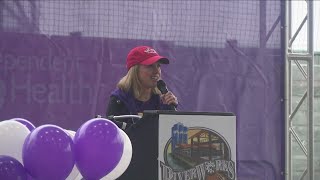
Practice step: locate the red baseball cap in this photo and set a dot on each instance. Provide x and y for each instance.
(144, 55)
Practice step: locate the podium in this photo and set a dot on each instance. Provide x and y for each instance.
(172, 145)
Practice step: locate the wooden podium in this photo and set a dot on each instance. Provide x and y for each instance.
(172, 145)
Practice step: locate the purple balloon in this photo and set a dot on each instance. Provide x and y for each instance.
(48, 153)
(10, 168)
(30, 177)
(98, 148)
(25, 122)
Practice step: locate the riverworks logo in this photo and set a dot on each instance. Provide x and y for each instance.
(196, 153)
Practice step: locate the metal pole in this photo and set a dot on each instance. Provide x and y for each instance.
(310, 92)
(287, 87)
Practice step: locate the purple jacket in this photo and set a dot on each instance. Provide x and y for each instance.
(123, 103)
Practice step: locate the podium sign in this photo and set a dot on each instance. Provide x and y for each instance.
(197, 146)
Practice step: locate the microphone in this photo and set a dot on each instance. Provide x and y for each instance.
(120, 124)
(161, 85)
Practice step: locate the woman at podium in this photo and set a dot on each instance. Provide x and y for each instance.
(137, 90)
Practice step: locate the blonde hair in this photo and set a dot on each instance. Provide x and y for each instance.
(131, 82)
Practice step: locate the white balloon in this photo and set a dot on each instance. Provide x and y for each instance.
(12, 136)
(124, 161)
(71, 133)
(74, 175)
(79, 177)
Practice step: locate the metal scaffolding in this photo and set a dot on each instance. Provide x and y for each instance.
(293, 58)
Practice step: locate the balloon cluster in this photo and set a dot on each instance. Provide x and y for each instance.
(98, 150)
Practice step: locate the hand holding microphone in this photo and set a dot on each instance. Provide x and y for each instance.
(167, 97)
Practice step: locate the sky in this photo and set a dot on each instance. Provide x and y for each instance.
(299, 11)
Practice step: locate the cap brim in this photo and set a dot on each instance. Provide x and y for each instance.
(154, 59)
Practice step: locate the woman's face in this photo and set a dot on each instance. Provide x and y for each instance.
(149, 75)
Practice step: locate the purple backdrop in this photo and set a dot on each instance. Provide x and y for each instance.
(66, 80)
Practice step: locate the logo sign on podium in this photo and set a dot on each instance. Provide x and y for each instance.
(197, 146)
